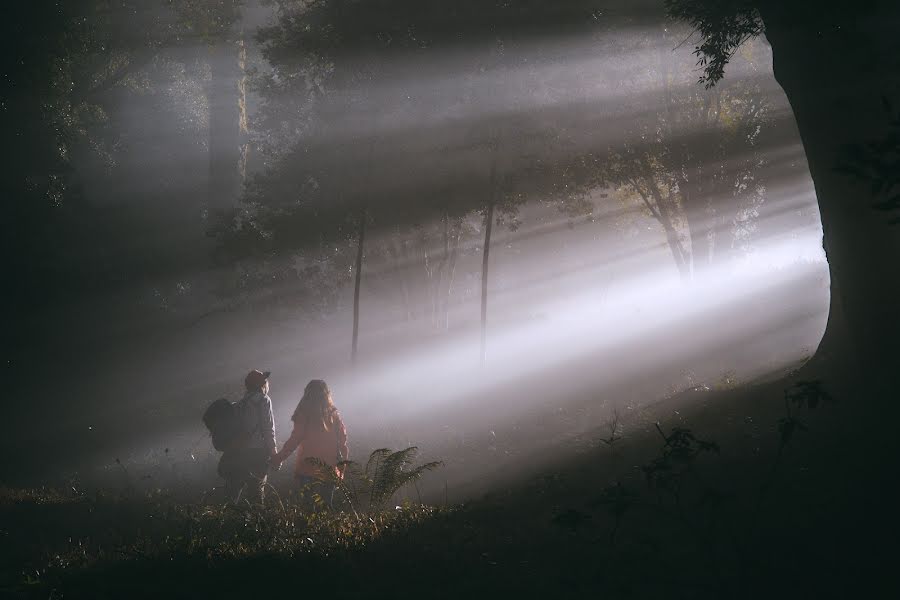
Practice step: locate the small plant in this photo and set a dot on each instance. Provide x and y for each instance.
(618, 500)
(681, 449)
(367, 489)
(612, 423)
(803, 394)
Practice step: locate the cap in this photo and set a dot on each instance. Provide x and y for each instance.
(256, 379)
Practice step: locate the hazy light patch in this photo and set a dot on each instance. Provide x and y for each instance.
(447, 86)
(592, 321)
(592, 308)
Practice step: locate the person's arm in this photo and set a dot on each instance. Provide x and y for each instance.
(343, 449)
(268, 426)
(292, 444)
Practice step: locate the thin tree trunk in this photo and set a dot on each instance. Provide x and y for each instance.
(437, 318)
(680, 257)
(664, 216)
(429, 277)
(484, 278)
(224, 98)
(451, 271)
(485, 260)
(356, 286)
(698, 223)
(400, 263)
(243, 119)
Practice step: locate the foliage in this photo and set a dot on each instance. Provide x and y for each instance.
(694, 163)
(686, 501)
(367, 489)
(681, 448)
(211, 20)
(723, 25)
(576, 529)
(104, 530)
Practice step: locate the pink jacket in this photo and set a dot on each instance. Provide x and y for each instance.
(328, 446)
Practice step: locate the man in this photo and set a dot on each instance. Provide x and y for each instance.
(245, 465)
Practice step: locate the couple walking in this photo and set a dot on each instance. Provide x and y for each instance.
(318, 433)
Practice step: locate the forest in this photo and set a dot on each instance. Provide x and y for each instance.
(604, 292)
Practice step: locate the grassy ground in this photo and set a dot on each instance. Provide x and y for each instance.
(736, 494)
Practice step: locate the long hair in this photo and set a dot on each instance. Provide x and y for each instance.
(316, 406)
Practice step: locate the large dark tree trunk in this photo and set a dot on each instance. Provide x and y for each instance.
(835, 80)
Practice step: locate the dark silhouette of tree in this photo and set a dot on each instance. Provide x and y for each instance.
(837, 62)
(693, 161)
(85, 60)
(215, 23)
(329, 57)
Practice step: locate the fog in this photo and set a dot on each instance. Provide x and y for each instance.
(598, 299)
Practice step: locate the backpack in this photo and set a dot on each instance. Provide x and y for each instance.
(224, 424)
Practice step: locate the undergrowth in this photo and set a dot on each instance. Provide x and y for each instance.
(54, 533)
(689, 520)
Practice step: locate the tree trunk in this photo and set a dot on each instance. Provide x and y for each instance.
(489, 224)
(663, 214)
(484, 271)
(835, 81)
(438, 319)
(357, 283)
(225, 121)
(400, 256)
(698, 223)
(451, 271)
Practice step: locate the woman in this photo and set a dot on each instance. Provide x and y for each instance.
(319, 433)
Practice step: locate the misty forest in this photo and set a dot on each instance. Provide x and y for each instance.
(450, 298)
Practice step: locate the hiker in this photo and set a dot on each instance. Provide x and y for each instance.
(319, 433)
(244, 464)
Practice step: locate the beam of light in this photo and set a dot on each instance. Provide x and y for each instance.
(581, 321)
(593, 322)
(556, 336)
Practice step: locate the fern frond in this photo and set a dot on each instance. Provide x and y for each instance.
(375, 458)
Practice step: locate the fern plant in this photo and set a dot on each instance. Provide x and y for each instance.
(367, 489)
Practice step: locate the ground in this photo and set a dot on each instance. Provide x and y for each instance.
(654, 514)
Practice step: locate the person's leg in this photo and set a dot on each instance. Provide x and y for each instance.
(229, 470)
(257, 475)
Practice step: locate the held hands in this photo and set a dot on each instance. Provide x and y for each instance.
(275, 461)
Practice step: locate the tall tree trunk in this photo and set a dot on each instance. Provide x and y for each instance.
(663, 213)
(361, 239)
(698, 223)
(399, 253)
(437, 319)
(243, 118)
(485, 260)
(428, 270)
(484, 271)
(225, 124)
(835, 81)
(451, 271)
